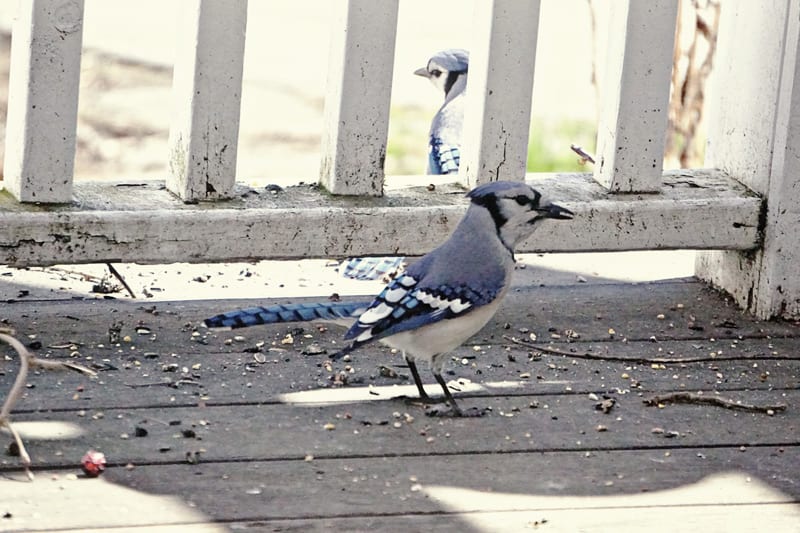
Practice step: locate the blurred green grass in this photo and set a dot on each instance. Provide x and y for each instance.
(548, 144)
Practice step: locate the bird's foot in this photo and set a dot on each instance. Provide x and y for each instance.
(454, 411)
(421, 400)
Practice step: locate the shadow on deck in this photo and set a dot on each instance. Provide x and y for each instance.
(216, 431)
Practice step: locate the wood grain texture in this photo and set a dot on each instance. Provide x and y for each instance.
(357, 97)
(753, 134)
(43, 100)
(207, 93)
(273, 445)
(149, 368)
(635, 95)
(502, 61)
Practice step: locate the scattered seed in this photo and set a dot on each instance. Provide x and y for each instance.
(311, 349)
(605, 405)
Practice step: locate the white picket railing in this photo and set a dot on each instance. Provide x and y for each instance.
(743, 207)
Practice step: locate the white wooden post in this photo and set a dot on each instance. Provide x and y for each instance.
(497, 119)
(207, 89)
(43, 100)
(358, 96)
(635, 96)
(754, 132)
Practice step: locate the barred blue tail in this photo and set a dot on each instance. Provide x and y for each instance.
(368, 268)
(253, 316)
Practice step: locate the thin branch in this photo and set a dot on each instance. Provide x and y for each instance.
(699, 399)
(27, 361)
(19, 383)
(173, 384)
(13, 396)
(648, 360)
(119, 277)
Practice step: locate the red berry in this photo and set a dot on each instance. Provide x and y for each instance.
(93, 463)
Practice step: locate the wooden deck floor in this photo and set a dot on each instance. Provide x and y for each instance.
(204, 432)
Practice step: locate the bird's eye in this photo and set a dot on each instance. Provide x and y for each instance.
(522, 199)
(436, 73)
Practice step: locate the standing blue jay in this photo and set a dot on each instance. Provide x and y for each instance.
(447, 70)
(442, 299)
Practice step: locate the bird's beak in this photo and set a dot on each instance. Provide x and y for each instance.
(557, 212)
(422, 72)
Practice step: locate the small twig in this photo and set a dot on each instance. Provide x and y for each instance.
(83, 275)
(173, 384)
(648, 360)
(583, 154)
(13, 396)
(27, 361)
(119, 277)
(143, 385)
(699, 399)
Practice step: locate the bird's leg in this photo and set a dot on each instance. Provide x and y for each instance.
(417, 381)
(448, 395)
(423, 396)
(454, 410)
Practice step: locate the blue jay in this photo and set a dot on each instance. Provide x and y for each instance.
(442, 299)
(447, 70)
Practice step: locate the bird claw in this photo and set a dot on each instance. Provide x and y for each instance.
(421, 400)
(456, 412)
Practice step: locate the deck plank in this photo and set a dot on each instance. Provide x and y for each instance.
(383, 491)
(238, 379)
(690, 311)
(375, 428)
(122, 222)
(221, 372)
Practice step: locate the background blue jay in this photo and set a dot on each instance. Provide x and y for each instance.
(445, 297)
(447, 70)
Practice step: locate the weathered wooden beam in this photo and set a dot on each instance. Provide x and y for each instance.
(635, 95)
(43, 100)
(145, 224)
(501, 67)
(754, 132)
(357, 97)
(207, 92)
